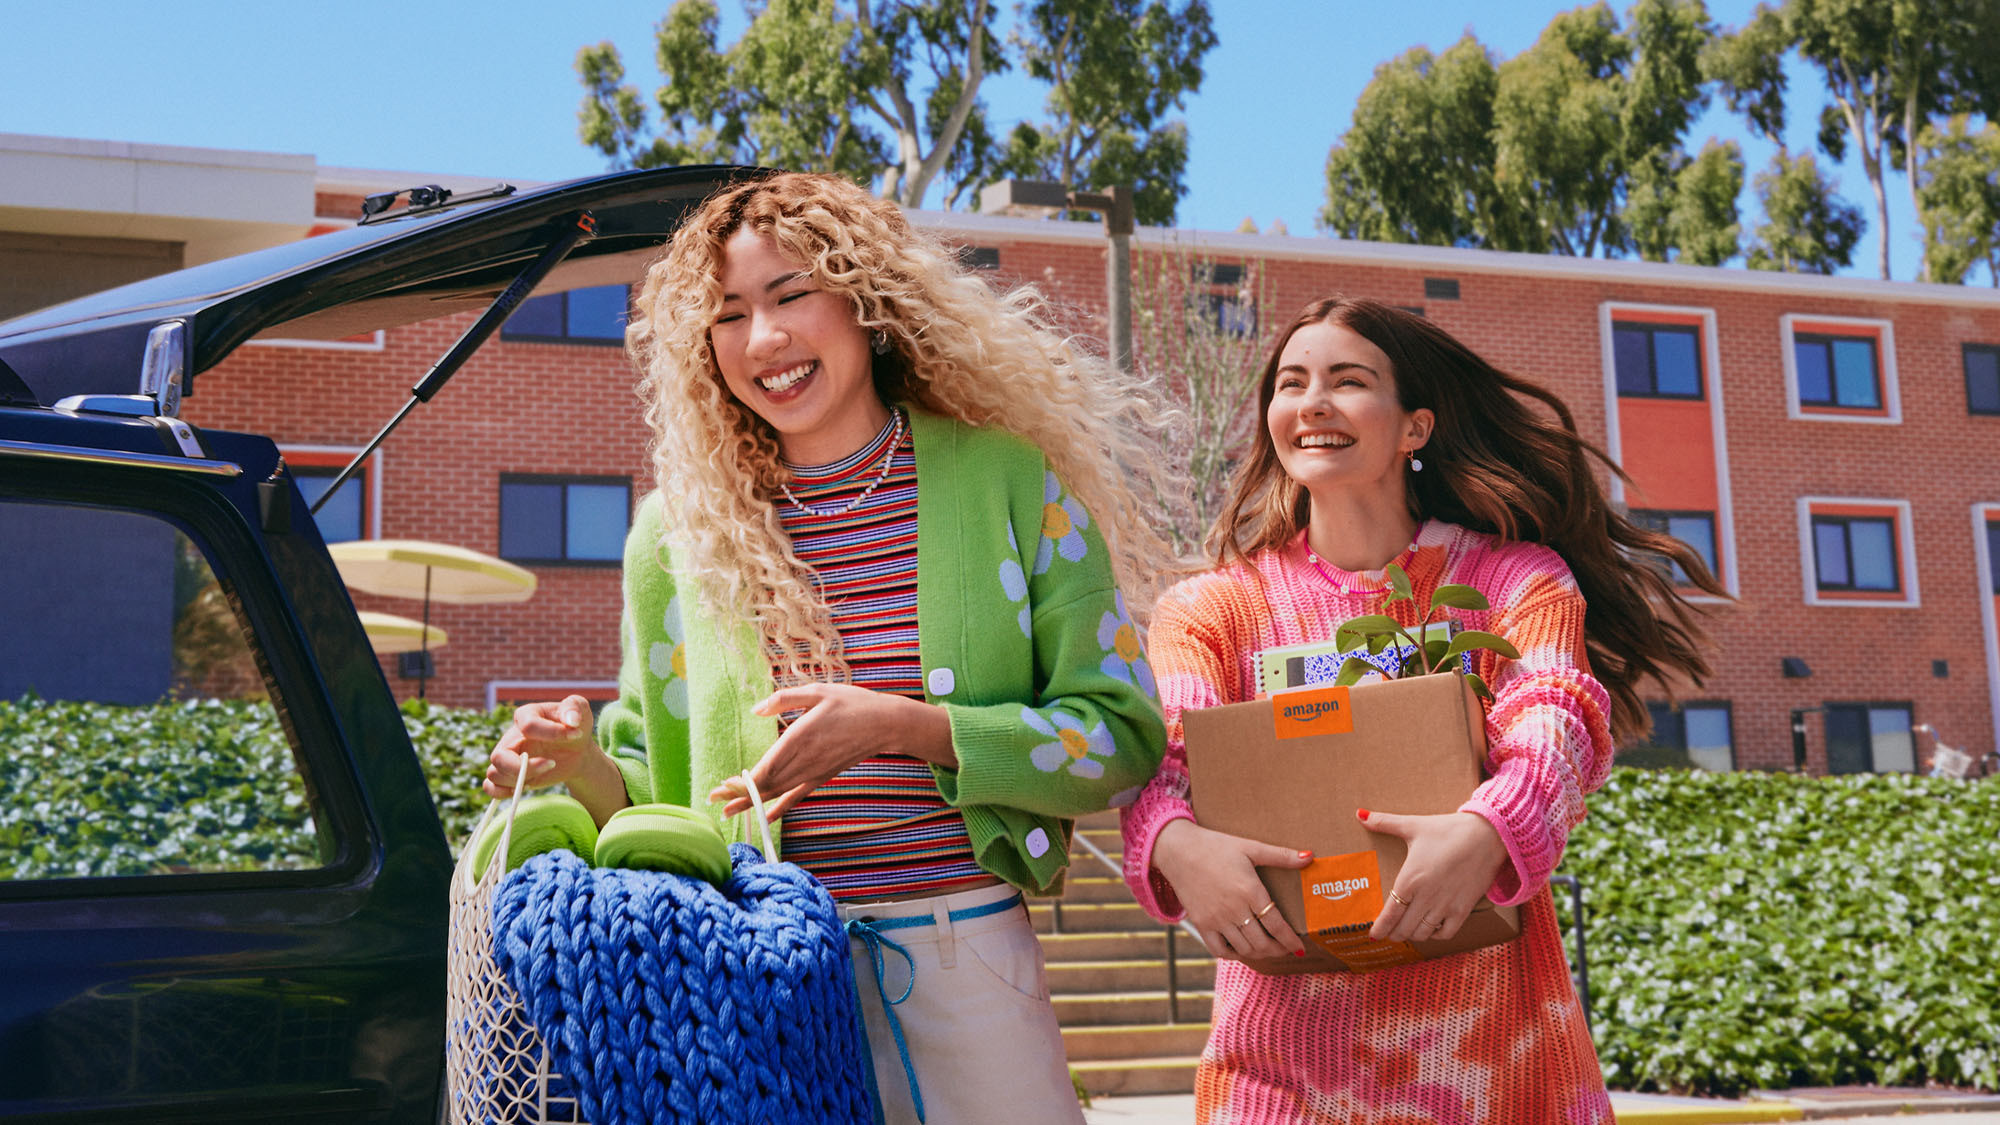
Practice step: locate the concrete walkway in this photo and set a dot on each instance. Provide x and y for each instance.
(1851, 1105)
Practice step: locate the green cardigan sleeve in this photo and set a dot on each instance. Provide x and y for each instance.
(649, 719)
(1083, 731)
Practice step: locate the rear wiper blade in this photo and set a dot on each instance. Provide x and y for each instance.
(582, 227)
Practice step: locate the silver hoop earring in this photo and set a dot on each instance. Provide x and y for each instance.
(879, 342)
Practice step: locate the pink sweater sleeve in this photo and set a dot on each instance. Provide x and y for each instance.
(1191, 662)
(1548, 729)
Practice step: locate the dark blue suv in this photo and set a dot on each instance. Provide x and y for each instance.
(222, 877)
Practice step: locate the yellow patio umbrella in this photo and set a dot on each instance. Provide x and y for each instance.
(413, 568)
(389, 633)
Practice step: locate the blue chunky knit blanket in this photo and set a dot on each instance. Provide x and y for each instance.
(667, 999)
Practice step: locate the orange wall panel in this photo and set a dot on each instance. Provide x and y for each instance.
(1668, 447)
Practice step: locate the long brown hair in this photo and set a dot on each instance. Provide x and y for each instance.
(1496, 464)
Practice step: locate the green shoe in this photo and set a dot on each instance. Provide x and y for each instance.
(664, 838)
(543, 823)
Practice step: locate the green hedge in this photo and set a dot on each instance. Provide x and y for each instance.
(88, 789)
(1755, 930)
(1745, 930)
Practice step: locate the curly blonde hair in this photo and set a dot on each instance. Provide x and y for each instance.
(958, 348)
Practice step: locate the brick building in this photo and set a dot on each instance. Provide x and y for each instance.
(1832, 445)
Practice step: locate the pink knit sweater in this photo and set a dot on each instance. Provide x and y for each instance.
(1491, 1036)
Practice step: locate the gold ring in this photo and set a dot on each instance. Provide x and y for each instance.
(1430, 925)
(1399, 898)
(1267, 908)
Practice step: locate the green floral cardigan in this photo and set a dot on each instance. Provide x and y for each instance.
(1024, 638)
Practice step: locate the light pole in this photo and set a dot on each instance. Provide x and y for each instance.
(1114, 204)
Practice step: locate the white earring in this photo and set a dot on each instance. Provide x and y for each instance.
(1416, 466)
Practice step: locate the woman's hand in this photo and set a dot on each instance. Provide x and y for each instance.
(557, 739)
(1453, 860)
(1215, 877)
(839, 725)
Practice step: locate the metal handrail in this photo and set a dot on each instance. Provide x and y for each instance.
(1580, 975)
(1173, 955)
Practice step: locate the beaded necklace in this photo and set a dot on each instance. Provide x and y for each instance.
(896, 423)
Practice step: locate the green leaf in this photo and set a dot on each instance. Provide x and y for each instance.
(1476, 638)
(1351, 671)
(1479, 687)
(1455, 596)
(1366, 626)
(1398, 581)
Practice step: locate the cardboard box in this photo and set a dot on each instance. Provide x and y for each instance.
(1291, 769)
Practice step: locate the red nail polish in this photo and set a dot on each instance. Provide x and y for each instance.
(1305, 855)
(1298, 953)
(1362, 813)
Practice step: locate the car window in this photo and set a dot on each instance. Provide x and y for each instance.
(138, 734)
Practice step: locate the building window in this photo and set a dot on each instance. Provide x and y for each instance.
(551, 519)
(978, 257)
(1232, 315)
(1982, 379)
(1837, 371)
(1840, 369)
(1855, 553)
(1869, 738)
(1693, 734)
(1858, 552)
(595, 315)
(1440, 289)
(1696, 529)
(1657, 360)
(1993, 553)
(351, 512)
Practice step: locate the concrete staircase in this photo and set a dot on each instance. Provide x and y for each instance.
(1108, 974)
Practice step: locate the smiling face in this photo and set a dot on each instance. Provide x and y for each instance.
(1334, 418)
(793, 353)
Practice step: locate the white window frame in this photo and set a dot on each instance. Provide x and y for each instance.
(556, 688)
(1885, 359)
(1711, 358)
(1982, 514)
(1906, 545)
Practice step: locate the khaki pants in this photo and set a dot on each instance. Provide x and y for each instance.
(981, 1033)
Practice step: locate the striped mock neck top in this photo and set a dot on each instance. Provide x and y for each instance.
(880, 829)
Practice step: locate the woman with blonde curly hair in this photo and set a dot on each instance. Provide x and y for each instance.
(881, 574)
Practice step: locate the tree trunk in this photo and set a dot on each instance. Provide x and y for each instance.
(1912, 163)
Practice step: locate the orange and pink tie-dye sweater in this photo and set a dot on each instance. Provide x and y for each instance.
(1495, 1036)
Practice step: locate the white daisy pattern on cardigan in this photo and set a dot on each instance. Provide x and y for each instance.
(1014, 582)
(1072, 748)
(668, 661)
(1124, 653)
(1063, 521)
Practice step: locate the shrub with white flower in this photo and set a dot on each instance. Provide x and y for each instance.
(1073, 748)
(1124, 657)
(1063, 521)
(668, 661)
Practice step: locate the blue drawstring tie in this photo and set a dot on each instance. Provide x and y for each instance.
(868, 930)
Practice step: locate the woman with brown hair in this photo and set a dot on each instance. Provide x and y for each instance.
(1388, 441)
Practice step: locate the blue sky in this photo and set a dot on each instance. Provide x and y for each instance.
(488, 89)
